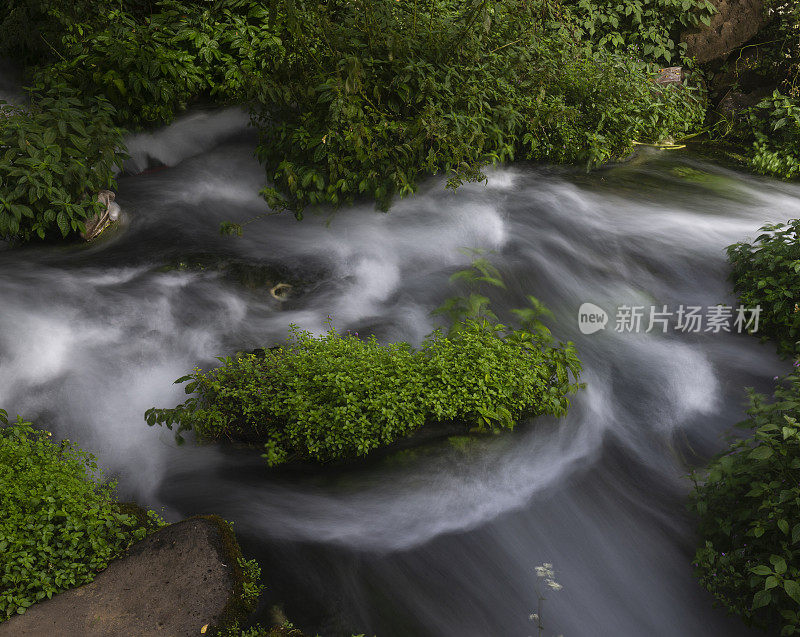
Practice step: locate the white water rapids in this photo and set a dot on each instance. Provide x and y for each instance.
(442, 542)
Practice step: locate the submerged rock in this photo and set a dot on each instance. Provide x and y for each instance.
(267, 277)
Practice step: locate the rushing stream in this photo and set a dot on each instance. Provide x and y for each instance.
(443, 540)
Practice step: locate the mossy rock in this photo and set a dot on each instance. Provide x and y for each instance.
(178, 580)
(184, 578)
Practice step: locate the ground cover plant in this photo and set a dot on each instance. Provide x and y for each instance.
(59, 523)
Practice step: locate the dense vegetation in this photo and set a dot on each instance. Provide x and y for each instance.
(337, 396)
(652, 28)
(766, 273)
(362, 98)
(151, 68)
(59, 525)
(54, 158)
(748, 504)
(334, 396)
(377, 94)
(770, 130)
(97, 65)
(775, 124)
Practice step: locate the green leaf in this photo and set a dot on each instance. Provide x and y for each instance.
(792, 589)
(63, 223)
(771, 582)
(762, 452)
(761, 598)
(779, 563)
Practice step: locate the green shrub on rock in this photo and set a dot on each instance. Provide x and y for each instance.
(766, 273)
(59, 525)
(748, 504)
(333, 396)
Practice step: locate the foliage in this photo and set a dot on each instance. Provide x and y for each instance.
(337, 396)
(776, 127)
(748, 504)
(251, 582)
(59, 525)
(334, 396)
(776, 119)
(770, 131)
(30, 30)
(782, 36)
(374, 95)
(140, 67)
(150, 68)
(284, 630)
(766, 273)
(651, 27)
(361, 98)
(54, 158)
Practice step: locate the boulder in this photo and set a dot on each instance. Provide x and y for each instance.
(173, 583)
(734, 23)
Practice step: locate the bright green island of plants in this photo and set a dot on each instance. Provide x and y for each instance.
(337, 396)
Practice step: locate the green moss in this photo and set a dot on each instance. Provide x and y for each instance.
(244, 573)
